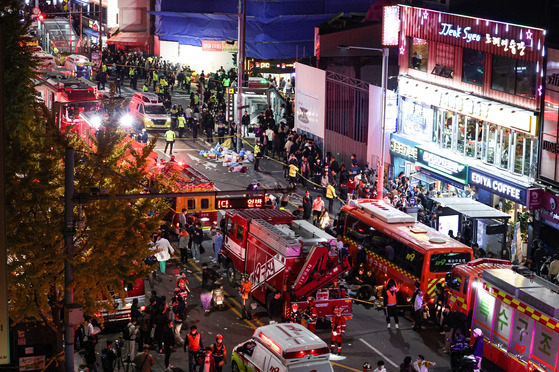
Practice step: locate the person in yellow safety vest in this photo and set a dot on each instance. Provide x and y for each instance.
(226, 82)
(330, 195)
(155, 79)
(182, 124)
(174, 116)
(169, 140)
(145, 87)
(246, 288)
(187, 83)
(196, 100)
(293, 169)
(104, 67)
(257, 156)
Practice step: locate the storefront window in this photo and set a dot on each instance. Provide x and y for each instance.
(473, 66)
(514, 76)
(448, 118)
(524, 155)
(471, 137)
(460, 134)
(526, 78)
(419, 54)
(491, 143)
(504, 148)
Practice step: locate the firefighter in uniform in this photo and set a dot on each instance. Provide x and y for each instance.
(311, 314)
(169, 140)
(174, 116)
(246, 288)
(338, 330)
(294, 315)
(219, 353)
(182, 124)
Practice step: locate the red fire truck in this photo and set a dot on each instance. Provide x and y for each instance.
(518, 315)
(282, 254)
(122, 307)
(70, 97)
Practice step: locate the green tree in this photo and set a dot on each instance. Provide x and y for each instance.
(114, 238)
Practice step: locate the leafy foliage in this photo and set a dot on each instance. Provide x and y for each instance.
(115, 237)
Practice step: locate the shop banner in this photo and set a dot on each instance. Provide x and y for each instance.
(549, 211)
(447, 168)
(534, 198)
(403, 147)
(499, 186)
(310, 100)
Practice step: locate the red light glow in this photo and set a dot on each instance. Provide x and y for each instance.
(270, 343)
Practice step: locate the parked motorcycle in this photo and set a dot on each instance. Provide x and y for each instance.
(461, 359)
(218, 299)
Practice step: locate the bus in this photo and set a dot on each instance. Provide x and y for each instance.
(400, 248)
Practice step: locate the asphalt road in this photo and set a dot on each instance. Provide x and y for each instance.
(367, 339)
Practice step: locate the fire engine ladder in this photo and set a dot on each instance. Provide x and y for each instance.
(318, 271)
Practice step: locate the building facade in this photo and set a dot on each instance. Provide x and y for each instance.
(470, 93)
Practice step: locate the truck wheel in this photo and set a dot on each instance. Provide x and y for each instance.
(234, 367)
(231, 274)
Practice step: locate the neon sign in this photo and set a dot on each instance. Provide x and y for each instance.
(506, 44)
(240, 203)
(459, 32)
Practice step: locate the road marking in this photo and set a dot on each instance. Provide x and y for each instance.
(252, 326)
(378, 352)
(192, 157)
(346, 367)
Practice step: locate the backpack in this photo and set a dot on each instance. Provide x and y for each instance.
(126, 333)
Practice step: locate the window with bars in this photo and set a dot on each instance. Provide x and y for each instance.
(347, 110)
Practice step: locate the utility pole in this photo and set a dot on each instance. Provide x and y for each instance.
(100, 43)
(4, 322)
(68, 265)
(240, 70)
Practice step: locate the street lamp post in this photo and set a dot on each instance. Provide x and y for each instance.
(383, 84)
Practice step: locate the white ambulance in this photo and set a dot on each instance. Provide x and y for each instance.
(283, 347)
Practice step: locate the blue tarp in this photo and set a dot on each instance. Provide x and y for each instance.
(89, 31)
(274, 28)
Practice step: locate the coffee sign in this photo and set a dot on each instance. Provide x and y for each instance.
(498, 186)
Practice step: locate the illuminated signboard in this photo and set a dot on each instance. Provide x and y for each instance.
(390, 25)
(493, 37)
(445, 167)
(240, 203)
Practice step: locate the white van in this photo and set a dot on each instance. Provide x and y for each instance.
(148, 112)
(282, 347)
(79, 65)
(47, 62)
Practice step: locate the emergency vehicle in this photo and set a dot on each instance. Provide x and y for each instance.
(122, 306)
(78, 65)
(459, 290)
(148, 112)
(284, 347)
(400, 248)
(184, 178)
(519, 318)
(70, 97)
(279, 253)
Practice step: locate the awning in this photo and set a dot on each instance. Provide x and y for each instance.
(130, 39)
(91, 32)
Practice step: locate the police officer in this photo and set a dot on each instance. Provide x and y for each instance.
(193, 342)
(169, 140)
(182, 124)
(257, 155)
(174, 116)
(330, 195)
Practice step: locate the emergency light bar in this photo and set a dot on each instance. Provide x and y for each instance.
(303, 353)
(268, 341)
